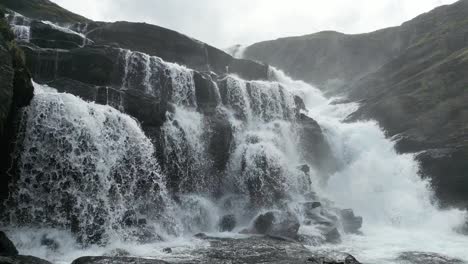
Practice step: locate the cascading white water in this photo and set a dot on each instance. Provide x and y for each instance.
(20, 26)
(88, 168)
(124, 196)
(22, 33)
(381, 185)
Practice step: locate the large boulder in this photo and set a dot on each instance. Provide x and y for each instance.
(227, 223)
(276, 223)
(350, 222)
(7, 248)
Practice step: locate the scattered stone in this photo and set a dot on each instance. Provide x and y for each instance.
(227, 223)
(167, 250)
(7, 248)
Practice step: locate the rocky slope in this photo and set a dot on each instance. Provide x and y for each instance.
(411, 78)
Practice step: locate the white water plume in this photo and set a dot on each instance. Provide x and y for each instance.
(113, 186)
(399, 208)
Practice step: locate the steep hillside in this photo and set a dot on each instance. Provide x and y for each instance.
(332, 58)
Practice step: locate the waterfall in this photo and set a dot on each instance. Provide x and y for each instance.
(89, 168)
(398, 206)
(20, 26)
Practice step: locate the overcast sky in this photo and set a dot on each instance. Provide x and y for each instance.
(223, 23)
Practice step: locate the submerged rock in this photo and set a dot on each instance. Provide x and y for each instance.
(7, 248)
(351, 223)
(227, 223)
(49, 243)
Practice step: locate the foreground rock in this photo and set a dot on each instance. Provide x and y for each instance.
(116, 260)
(22, 260)
(261, 249)
(426, 258)
(7, 248)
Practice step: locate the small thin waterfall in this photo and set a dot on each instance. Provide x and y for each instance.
(22, 33)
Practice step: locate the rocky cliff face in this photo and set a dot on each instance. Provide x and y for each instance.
(411, 78)
(15, 92)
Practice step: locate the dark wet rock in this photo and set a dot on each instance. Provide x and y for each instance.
(264, 223)
(227, 223)
(16, 91)
(116, 260)
(349, 259)
(167, 250)
(46, 36)
(7, 248)
(251, 250)
(49, 243)
(309, 206)
(201, 235)
(445, 168)
(281, 224)
(174, 47)
(304, 168)
(206, 93)
(118, 252)
(221, 140)
(426, 258)
(314, 147)
(333, 236)
(350, 222)
(23, 260)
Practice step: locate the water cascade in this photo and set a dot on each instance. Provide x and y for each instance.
(94, 175)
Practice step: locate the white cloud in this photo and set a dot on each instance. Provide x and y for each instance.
(223, 23)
